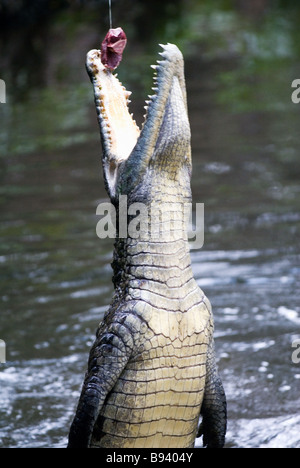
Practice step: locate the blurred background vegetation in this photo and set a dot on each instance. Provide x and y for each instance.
(43, 44)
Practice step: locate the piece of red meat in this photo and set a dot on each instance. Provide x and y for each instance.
(112, 48)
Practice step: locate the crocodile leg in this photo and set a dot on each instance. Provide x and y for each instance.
(214, 407)
(108, 358)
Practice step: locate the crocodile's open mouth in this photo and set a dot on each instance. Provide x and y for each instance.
(121, 137)
(118, 129)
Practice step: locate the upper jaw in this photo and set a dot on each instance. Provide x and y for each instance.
(124, 144)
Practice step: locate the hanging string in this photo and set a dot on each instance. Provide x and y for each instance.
(113, 45)
(110, 14)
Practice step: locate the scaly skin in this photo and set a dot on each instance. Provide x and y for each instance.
(151, 370)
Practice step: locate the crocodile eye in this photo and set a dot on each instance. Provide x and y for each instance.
(112, 48)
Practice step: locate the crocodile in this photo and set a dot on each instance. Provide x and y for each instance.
(152, 370)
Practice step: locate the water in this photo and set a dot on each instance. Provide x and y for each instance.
(55, 280)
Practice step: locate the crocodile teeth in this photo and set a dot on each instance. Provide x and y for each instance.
(163, 54)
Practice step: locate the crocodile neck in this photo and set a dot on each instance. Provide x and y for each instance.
(158, 254)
